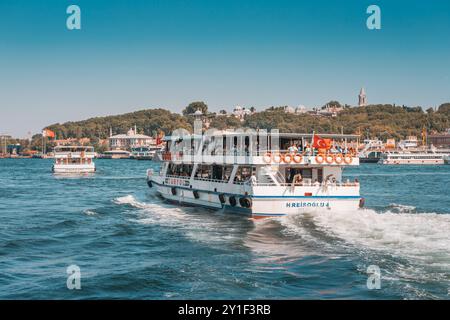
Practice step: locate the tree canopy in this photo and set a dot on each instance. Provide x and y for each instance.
(194, 106)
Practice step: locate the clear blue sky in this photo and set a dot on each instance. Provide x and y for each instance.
(135, 54)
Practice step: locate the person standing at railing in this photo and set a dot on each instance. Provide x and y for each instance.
(309, 151)
(293, 149)
(251, 180)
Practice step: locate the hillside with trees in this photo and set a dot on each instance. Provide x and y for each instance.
(148, 122)
(383, 121)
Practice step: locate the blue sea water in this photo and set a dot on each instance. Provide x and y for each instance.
(130, 244)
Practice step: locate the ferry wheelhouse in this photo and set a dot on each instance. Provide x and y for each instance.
(257, 175)
(74, 159)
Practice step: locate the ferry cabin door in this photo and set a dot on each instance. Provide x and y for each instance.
(217, 172)
(309, 175)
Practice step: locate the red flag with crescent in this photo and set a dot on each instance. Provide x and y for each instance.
(321, 143)
(48, 133)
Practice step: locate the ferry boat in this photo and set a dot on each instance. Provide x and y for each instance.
(74, 159)
(371, 151)
(266, 182)
(115, 154)
(144, 153)
(408, 157)
(447, 159)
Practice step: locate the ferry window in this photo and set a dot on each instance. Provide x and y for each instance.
(203, 172)
(305, 173)
(243, 173)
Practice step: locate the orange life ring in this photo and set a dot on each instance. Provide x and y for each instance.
(277, 157)
(338, 158)
(297, 158)
(287, 158)
(348, 159)
(267, 158)
(328, 160)
(320, 158)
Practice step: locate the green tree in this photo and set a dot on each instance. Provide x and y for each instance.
(194, 106)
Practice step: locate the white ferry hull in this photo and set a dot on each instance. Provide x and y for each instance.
(74, 168)
(262, 203)
(412, 162)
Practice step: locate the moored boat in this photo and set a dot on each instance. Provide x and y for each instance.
(413, 158)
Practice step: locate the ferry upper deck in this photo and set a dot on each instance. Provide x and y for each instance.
(261, 148)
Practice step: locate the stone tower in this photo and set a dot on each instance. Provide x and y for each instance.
(362, 98)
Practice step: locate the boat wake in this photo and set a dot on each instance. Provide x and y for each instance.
(407, 245)
(210, 227)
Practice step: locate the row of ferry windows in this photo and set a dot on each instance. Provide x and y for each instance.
(414, 157)
(209, 172)
(223, 173)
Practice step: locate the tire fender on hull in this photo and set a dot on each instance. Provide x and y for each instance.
(245, 202)
(232, 201)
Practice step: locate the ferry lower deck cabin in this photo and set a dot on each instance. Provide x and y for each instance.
(244, 173)
(74, 159)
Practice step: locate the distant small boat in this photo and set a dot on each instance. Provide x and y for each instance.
(74, 159)
(371, 157)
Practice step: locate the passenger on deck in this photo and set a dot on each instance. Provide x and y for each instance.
(252, 180)
(296, 181)
(293, 149)
(308, 150)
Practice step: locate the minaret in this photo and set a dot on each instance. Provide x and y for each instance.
(135, 129)
(110, 131)
(362, 98)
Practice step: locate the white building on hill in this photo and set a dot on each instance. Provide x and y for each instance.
(129, 140)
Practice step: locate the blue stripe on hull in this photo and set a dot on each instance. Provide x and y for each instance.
(258, 197)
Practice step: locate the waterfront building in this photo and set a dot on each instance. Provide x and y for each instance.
(129, 140)
(440, 140)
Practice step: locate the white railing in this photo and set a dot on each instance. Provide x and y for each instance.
(210, 180)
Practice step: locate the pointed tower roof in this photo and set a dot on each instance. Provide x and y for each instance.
(362, 92)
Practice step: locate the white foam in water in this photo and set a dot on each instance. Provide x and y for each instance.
(90, 212)
(422, 239)
(202, 227)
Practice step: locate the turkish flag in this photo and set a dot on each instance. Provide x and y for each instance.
(48, 133)
(321, 143)
(159, 139)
